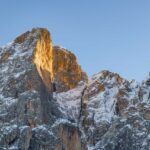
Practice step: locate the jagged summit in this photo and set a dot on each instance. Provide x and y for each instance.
(48, 103)
(57, 66)
(108, 75)
(35, 33)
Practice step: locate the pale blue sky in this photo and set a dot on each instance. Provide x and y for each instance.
(104, 34)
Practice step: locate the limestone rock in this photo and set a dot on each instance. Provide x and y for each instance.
(67, 72)
(70, 138)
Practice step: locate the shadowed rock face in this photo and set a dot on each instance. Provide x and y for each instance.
(70, 138)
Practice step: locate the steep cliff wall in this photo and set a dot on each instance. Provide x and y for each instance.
(31, 71)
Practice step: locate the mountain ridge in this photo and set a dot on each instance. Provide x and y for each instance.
(47, 102)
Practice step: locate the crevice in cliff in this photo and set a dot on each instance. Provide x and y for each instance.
(45, 97)
(82, 103)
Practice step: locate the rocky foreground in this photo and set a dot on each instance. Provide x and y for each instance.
(48, 103)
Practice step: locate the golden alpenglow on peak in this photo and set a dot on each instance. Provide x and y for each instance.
(57, 66)
(43, 56)
(67, 72)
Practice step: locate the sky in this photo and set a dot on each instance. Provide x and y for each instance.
(104, 34)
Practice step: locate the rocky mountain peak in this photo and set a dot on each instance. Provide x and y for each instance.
(107, 76)
(57, 66)
(33, 73)
(38, 33)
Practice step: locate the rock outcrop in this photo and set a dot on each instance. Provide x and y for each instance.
(47, 101)
(57, 66)
(67, 72)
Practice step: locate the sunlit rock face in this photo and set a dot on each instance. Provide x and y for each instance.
(43, 57)
(57, 66)
(67, 72)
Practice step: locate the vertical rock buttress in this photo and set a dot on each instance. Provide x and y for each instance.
(59, 71)
(57, 66)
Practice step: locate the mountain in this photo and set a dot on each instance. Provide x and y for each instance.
(47, 102)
